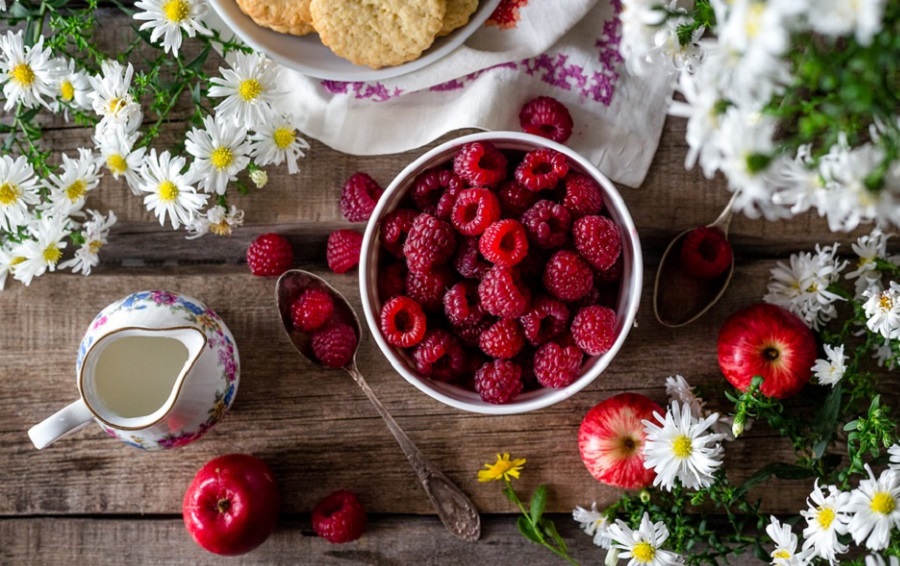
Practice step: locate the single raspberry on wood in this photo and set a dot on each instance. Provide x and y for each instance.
(342, 251)
(706, 253)
(503, 340)
(499, 381)
(567, 276)
(582, 195)
(394, 229)
(598, 241)
(547, 319)
(515, 199)
(312, 309)
(270, 255)
(556, 365)
(428, 288)
(503, 293)
(547, 224)
(430, 243)
(334, 345)
(440, 356)
(461, 304)
(504, 243)
(480, 163)
(391, 280)
(546, 117)
(403, 322)
(475, 210)
(468, 261)
(339, 518)
(541, 169)
(430, 186)
(359, 196)
(594, 330)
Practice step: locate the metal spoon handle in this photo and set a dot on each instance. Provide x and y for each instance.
(455, 509)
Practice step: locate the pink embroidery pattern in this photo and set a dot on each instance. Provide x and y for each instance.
(362, 91)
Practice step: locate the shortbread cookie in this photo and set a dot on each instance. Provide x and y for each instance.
(378, 33)
(458, 14)
(283, 16)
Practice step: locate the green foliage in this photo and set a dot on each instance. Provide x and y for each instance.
(532, 523)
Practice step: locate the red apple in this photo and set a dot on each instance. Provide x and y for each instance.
(768, 341)
(231, 505)
(611, 440)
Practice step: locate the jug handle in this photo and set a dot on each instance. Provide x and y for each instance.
(66, 421)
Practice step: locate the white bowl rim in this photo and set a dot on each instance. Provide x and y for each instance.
(549, 396)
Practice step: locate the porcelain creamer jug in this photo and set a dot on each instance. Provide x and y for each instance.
(155, 369)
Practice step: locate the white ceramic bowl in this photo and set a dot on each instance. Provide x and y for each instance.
(453, 395)
(309, 56)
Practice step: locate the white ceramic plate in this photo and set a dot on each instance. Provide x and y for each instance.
(307, 54)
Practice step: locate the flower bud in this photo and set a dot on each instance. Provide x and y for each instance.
(645, 496)
(259, 178)
(612, 557)
(737, 428)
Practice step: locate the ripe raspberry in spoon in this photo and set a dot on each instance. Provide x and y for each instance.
(706, 253)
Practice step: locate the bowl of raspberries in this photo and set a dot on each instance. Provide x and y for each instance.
(500, 272)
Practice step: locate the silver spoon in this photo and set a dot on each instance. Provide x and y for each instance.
(679, 299)
(455, 509)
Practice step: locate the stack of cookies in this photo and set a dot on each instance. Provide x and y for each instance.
(374, 33)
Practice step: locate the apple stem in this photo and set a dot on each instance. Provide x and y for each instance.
(223, 505)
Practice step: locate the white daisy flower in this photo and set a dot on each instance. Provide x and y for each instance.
(249, 88)
(826, 519)
(802, 285)
(111, 98)
(170, 193)
(702, 108)
(276, 140)
(796, 183)
(885, 354)
(28, 74)
(748, 79)
(221, 151)
(679, 447)
(73, 88)
(639, 25)
(875, 510)
(44, 251)
(883, 311)
(678, 389)
(831, 370)
(668, 48)
(169, 18)
(836, 18)
(869, 248)
(754, 24)
(117, 153)
(18, 190)
(69, 190)
(595, 524)
(218, 220)
(848, 201)
(95, 232)
(7, 264)
(877, 560)
(642, 546)
(785, 552)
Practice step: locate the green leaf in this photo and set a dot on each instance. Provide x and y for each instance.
(549, 527)
(826, 420)
(538, 503)
(527, 530)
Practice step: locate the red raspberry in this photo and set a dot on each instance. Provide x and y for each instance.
(461, 304)
(541, 169)
(547, 224)
(556, 365)
(430, 186)
(706, 253)
(504, 243)
(532, 267)
(480, 163)
(515, 199)
(270, 254)
(342, 252)
(594, 330)
(312, 309)
(502, 340)
(445, 204)
(359, 196)
(582, 195)
(546, 117)
(394, 229)
(547, 319)
(430, 243)
(402, 322)
(612, 274)
(499, 381)
(470, 334)
(334, 345)
(440, 356)
(339, 517)
(567, 276)
(598, 241)
(428, 289)
(474, 211)
(503, 293)
(391, 281)
(468, 261)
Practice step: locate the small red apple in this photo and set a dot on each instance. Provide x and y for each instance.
(611, 440)
(768, 341)
(231, 505)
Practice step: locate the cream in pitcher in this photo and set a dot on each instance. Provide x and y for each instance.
(155, 369)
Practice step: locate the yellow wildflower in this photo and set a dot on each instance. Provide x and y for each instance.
(503, 469)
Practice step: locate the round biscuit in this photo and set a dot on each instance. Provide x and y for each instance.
(458, 14)
(284, 16)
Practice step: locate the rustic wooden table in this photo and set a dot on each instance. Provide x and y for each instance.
(92, 500)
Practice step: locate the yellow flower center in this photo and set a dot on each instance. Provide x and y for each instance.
(781, 553)
(66, 90)
(682, 446)
(883, 503)
(168, 192)
(52, 253)
(221, 157)
(76, 190)
(249, 89)
(825, 517)
(9, 194)
(22, 74)
(176, 10)
(116, 104)
(117, 163)
(643, 552)
(754, 19)
(283, 137)
(95, 246)
(222, 228)
(885, 301)
(14, 262)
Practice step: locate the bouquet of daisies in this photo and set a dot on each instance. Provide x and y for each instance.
(795, 102)
(43, 198)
